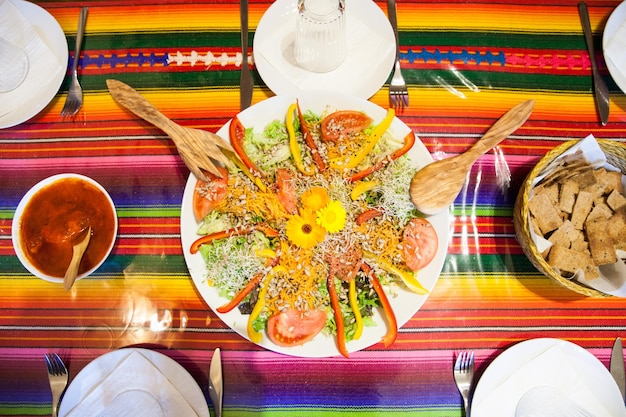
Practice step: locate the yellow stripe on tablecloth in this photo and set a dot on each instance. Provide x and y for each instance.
(164, 18)
(504, 17)
(411, 16)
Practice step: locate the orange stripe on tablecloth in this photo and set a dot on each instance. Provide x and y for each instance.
(482, 105)
(474, 112)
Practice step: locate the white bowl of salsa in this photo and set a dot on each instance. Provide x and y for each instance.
(53, 216)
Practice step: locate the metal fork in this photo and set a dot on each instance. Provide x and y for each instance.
(57, 375)
(463, 375)
(246, 84)
(398, 91)
(74, 99)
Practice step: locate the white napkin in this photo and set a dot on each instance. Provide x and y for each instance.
(43, 65)
(615, 49)
(552, 367)
(278, 49)
(135, 382)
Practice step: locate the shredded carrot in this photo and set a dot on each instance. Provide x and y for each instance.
(298, 285)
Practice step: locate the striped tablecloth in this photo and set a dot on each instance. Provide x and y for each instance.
(466, 62)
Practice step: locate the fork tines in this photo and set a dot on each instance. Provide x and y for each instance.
(398, 90)
(399, 100)
(464, 361)
(54, 364)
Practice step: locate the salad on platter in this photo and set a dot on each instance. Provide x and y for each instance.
(309, 238)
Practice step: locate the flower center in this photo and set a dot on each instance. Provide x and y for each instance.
(307, 228)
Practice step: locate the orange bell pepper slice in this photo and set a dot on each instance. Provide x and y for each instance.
(392, 330)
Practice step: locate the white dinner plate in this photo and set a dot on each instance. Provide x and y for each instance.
(405, 304)
(51, 33)
(371, 51)
(617, 18)
(546, 362)
(92, 375)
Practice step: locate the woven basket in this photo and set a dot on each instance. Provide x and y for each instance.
(616, 156)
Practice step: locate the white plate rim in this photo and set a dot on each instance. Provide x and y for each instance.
(405, 305)
(617, 17)
(104, 364)
(51, 33)
(278, 13)
(506, 364)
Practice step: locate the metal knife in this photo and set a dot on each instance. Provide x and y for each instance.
(617, 366)
(601, 91)
(216, 387)
(246, 84)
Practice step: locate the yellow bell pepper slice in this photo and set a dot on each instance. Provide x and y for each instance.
(239, 164)
(358, 319)
(293, 142)
(372, 140)
(255, 336)
(361, 188)
(408, 277)
(265, 253)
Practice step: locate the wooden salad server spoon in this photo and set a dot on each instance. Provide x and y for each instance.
(435, 187)
(77, 254)
(198, 148)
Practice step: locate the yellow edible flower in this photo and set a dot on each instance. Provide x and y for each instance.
(315, 198)
(332, 217)
(303, 231)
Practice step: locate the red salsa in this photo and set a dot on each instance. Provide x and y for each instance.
(57, 217)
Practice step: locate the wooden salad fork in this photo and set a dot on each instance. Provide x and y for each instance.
(199, 149)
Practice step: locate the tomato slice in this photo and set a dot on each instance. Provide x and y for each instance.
(343, 122)
(207, 195)
(293, 327)
(286, 190)
(419, 243)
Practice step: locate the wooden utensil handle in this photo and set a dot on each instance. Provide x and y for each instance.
(128, 97)
(501, 129)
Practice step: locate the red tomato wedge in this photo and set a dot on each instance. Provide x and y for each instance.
(342, 122)
(207, 195)
(293, 327)
(286, 190)
(419, 243)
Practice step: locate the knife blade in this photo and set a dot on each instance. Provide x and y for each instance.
(216, 383)
(601, 91)
(246, 84)
(617, 366)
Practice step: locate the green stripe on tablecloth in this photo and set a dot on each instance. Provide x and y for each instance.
(141, 264)
(233, 39)
(492, 40)
(499, 80)
(160, 40)
(11, 409)
(203, 79)
(146, 212)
